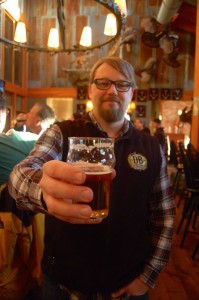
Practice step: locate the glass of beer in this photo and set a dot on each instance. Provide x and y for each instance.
(95, 155)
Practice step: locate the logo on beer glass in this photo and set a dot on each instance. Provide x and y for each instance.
(96, 157)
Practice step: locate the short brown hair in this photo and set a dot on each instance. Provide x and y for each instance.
(45, 114)
(118, 64)
(158, 121)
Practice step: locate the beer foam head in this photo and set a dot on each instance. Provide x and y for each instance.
(99, 146)
(92, 168)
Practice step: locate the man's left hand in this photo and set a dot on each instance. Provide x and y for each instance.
(135, 288)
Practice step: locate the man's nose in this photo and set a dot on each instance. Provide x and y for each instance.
(112, 88)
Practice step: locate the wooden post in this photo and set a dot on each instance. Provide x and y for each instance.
(195, 116)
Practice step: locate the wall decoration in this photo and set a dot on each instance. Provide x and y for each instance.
(177, 94)
(142, 95)
(81, 108)
(82, 92)
(153, 94)
(140, 111)
(165, 94)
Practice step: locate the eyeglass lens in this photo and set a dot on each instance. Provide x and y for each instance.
(104, 84)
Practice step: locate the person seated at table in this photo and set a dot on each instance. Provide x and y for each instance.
(20, 124)
(20, 248)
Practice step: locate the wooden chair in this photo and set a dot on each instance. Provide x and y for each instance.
(195, 250)
(177, 187)
(191, 206)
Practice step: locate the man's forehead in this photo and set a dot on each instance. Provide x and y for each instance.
(103, 68)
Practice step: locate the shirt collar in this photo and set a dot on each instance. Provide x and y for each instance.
(123, 130)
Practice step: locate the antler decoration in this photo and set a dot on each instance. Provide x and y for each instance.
(157, 36)
(147, 71)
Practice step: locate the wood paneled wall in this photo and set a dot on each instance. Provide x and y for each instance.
(48, 71)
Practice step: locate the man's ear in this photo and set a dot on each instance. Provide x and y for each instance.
(38, 122)
(89, 91)
(132, 93)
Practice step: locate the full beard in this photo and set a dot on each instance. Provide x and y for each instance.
(111, 114)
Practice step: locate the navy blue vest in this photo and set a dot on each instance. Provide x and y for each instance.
(107, 256)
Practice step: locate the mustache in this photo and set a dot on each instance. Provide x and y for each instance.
(111, 98)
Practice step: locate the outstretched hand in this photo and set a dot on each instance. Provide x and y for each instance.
(64, 194)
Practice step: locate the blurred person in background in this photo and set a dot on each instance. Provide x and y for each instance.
(140, 125)
(159, 133)
(21, 232)
(20, 124)
(2, 111)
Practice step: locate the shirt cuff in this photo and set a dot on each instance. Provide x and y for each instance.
(149, 276)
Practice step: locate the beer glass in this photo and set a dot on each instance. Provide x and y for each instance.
(95, 155)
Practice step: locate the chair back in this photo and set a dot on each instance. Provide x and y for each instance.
(173, 159)
(193, 157)
(189, 178)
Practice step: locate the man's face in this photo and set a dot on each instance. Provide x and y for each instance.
(2, 119)
(154, 125)
(32, 120)
(138, 125)
(110, 104)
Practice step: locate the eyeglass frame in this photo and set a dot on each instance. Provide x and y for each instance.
(131, 85)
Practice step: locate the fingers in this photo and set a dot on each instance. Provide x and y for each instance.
(63, 209)
(61, 186)
(135, 288)
(65, 190)
(119, 292)
(63, 171)
(61, 180)
(67, 211)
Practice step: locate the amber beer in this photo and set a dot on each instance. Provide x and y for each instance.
(100, 184)
(94, 155)
(98, 178)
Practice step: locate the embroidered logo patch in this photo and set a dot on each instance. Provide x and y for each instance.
(137, 161)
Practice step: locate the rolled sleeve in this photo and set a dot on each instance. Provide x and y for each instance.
(25, 178)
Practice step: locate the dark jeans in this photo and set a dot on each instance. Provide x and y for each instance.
(52, 291)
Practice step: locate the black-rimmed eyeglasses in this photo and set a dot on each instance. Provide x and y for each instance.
(120, 85)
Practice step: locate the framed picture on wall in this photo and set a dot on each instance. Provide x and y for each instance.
(142, 95)
(153, 94)
(82, 92)
(140, 111)
(177, 94)
(81, 108)
(165, 94)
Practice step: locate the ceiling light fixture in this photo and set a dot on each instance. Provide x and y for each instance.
(53, 39)
(12, 6)
(86, 37)
(20, 33)
(110, 28)
(111, 5)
